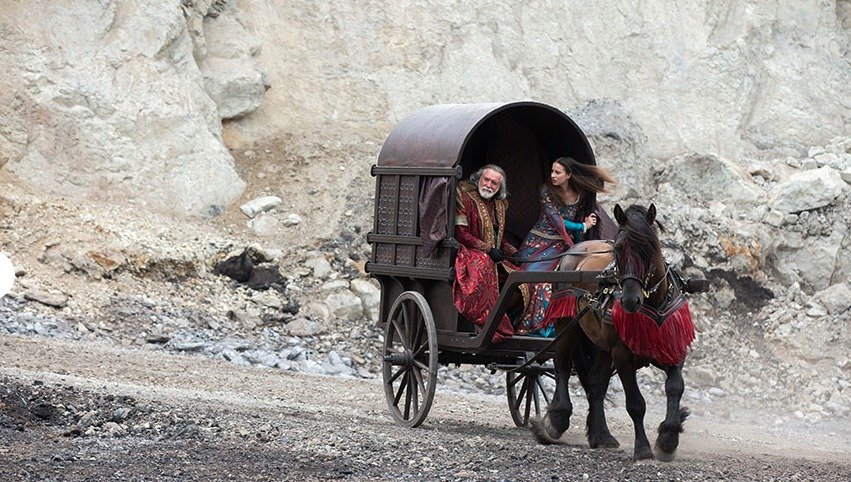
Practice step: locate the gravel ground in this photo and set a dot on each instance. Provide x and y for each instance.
(80, 410)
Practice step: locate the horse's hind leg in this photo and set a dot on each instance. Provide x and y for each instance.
(635, 404)
(596, 385)
(671, 428)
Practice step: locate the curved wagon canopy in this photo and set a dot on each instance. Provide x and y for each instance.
(469, 134)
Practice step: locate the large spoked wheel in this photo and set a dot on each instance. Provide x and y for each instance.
(529, 392)
(410, 359)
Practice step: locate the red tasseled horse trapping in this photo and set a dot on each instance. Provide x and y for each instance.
(663, 337)
(562, 305)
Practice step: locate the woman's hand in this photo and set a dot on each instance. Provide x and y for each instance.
(590, 221)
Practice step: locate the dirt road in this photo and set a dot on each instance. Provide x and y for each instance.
(86, 411)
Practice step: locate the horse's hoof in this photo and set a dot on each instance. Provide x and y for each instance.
(538, 426)
(663, 456)
(605, 442)
(643, 454)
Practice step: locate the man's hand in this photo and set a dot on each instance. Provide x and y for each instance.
(496, 255)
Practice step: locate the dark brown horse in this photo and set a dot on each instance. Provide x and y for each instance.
(637, 317)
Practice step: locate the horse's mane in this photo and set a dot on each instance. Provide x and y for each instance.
(642, 238)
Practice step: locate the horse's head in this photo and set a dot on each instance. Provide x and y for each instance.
(638, 253)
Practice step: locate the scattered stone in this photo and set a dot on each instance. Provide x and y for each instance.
(233, 356)
(774, 218)
(370, 297)
(320, 266)
(264, 277)
(345, 305)
(261, 204)
(120, 414)
(269, 299)
(303, 327)
(157, 338)
(114, 430)
(188, 346)
(712, 178)
(49, 299)
(335, 285)
(292, 220)
(334, 364)
(247, 319)
(836, 299)
(807, 190)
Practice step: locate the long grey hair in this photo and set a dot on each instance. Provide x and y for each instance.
(503, 186)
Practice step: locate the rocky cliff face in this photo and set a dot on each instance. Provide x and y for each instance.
(111, 100)
(726, 78)
(126, 99)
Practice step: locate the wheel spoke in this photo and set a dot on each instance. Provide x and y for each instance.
(551, 376)
(406, 322)
(408, 398)
(419, 351)
(419, 377)
(536, 396)
(520, 395)
(517, 379)
(417, 337)
(420, 365)
(530, 395)
(401, 333)
(415, 390)
(396, 375)
(401, 389)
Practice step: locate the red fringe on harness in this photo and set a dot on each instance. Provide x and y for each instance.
(666, 343)
(563, 306)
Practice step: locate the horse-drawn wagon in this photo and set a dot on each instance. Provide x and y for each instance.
(413, 247)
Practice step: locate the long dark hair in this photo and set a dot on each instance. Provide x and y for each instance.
(587, 180)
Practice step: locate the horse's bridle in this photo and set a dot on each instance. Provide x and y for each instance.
(628, 276)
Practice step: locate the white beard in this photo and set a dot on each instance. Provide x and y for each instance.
(486, 193)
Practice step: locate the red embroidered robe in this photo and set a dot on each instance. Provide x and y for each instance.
(476, 286)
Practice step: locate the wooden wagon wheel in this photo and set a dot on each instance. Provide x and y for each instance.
(410, 359)
(526, 391)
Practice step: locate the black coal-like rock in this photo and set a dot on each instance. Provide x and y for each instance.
(264, 277)
(238, 268)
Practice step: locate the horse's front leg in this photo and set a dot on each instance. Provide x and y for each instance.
(549, 429)
(671, 428)
(635, 404)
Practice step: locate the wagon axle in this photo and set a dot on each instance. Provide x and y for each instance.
(400, 359)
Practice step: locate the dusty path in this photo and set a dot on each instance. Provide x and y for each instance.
(86, 411)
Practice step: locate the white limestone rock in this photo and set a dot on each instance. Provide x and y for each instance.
(370, 296)
(320, 266)
(811, 262)
(345, 305)
(261, 204)
(836, 299)
(807, 190)
(711, 178)
(303, 327)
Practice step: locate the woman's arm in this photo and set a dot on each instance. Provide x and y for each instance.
(575, 227)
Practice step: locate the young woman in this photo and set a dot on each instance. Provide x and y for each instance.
(570, 214)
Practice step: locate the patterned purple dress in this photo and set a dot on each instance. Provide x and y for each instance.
(547, 239)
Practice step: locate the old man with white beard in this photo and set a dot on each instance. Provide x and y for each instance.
(480, 207)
